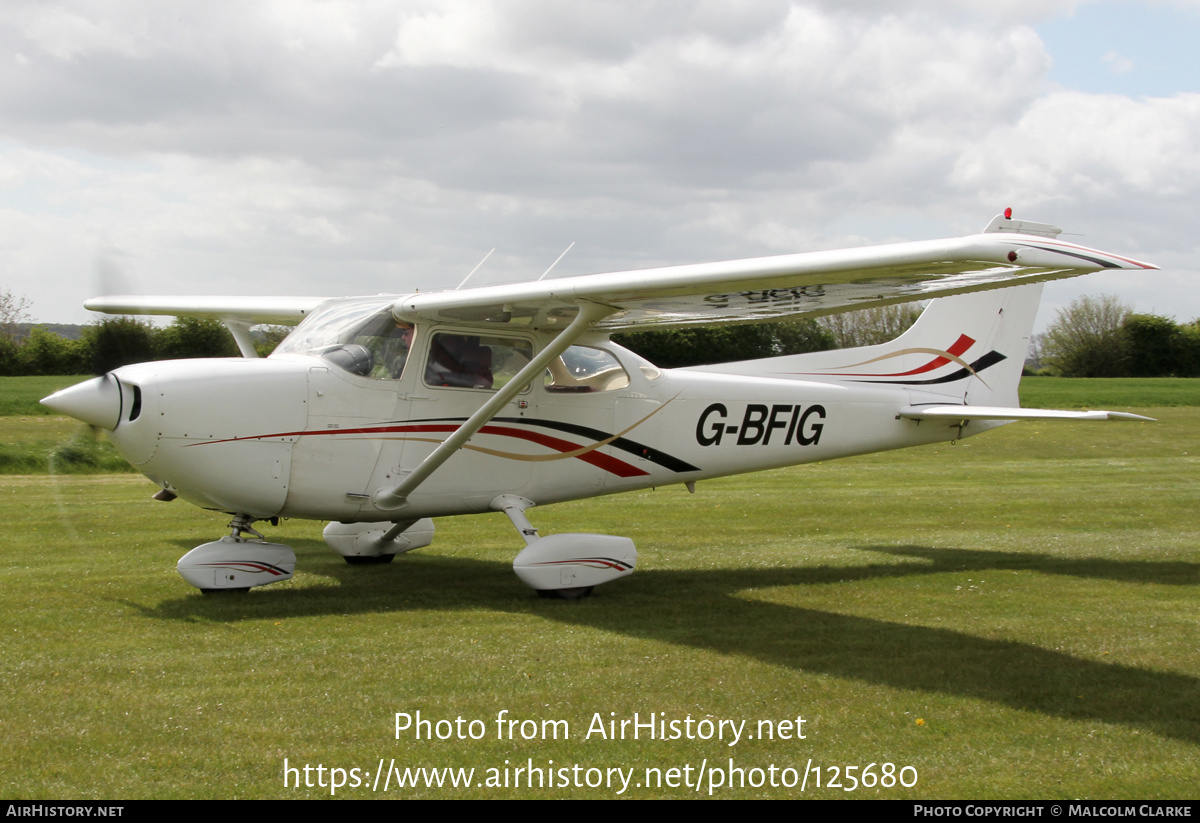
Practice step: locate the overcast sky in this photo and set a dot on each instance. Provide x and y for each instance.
(320, 147)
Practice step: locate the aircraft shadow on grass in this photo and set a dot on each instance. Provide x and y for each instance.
(701, 609)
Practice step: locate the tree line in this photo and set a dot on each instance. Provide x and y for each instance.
(679, 348)
(115, 342)
(1103, 337)
(1092, 337)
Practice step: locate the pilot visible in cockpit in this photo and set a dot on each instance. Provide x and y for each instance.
(392, 352)
(459, 360)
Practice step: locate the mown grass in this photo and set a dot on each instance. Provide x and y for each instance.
(20, 395)
(34, 441)
(37, 445)
(1029, 596)
(1114, 393)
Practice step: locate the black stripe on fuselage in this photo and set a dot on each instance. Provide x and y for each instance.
(655, 456)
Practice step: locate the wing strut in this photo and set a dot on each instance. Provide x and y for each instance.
(394, 497)
(240, 329)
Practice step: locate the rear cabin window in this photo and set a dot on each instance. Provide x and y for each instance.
(583, 369)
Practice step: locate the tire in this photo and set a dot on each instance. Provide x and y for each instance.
(367, 560)
(577, 593)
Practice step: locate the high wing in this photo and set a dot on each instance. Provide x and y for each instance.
(237, 313)
(286, 311)
(770, 288)
(1008, 253)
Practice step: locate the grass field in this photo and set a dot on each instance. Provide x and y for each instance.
(20, 395)
(1014, 616)
(1115, 393)
(35, 442)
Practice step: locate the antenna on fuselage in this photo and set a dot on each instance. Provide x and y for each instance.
(560, 257)
(477, 265)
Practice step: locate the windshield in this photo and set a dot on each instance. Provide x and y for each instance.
(360, 336)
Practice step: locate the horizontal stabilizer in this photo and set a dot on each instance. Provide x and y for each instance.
(1009, 413)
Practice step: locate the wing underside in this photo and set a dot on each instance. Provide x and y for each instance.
(766, 288)
(772, 288)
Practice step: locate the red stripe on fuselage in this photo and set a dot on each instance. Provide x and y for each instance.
(601, 461)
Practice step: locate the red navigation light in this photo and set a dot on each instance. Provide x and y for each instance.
(1008, 213)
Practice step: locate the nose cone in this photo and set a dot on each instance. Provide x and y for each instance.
(96, 402)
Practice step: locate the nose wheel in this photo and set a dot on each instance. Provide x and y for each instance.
(236, 562)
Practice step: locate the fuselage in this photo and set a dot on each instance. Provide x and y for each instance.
(381, 412)
(307, 435)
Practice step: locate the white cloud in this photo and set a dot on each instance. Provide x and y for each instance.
(322, 147)
(67, 34)
(1117, 63)
(1104, 150)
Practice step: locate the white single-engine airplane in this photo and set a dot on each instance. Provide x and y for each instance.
(379, 413)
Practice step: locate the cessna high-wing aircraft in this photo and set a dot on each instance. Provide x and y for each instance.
(379, 413)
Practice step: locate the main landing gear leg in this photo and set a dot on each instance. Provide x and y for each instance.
(565, 566)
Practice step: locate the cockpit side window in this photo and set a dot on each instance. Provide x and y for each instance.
(473, 361)
(388, 342)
